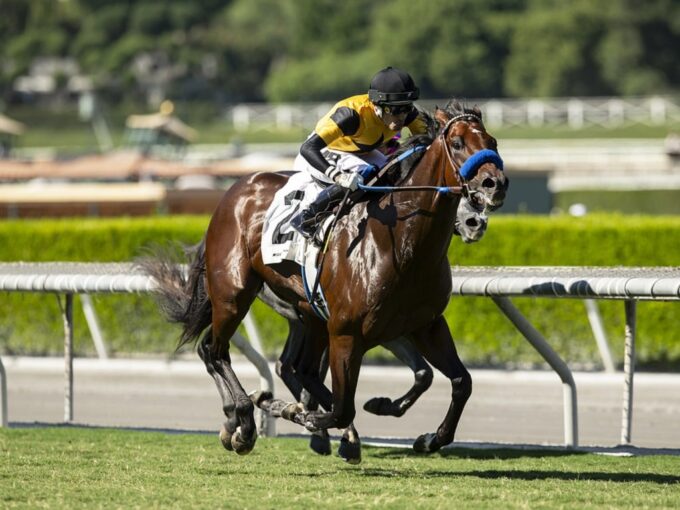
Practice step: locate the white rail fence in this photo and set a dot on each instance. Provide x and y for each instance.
(68, 279)
(572, 112)
(629, 284)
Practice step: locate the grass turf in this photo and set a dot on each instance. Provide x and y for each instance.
(95, 468)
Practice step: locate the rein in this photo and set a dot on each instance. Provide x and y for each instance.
(395, 189)
(462, 188)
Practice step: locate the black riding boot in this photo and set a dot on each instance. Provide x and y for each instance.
(304, 221)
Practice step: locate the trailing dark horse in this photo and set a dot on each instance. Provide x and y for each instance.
(386, 275)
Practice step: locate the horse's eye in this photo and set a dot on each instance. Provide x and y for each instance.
(457, 143)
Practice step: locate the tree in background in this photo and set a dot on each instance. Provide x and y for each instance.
(454, 48)
(329, 54)
(594, 47)
(223, 51)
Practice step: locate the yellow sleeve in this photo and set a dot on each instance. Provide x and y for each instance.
(328, 130)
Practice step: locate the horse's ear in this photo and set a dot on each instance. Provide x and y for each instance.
(441, 116)
(477, 111)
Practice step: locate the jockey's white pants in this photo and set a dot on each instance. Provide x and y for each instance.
(343, 161)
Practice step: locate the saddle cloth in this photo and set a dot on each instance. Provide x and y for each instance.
(281, 242)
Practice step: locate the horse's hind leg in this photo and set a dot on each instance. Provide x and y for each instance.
(406, 352)
(229, 427)
(436, 344)
(232, 287)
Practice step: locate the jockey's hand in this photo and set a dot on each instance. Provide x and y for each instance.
(350, 180)
(367, 171)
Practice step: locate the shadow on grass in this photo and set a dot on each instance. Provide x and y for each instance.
(530, 475)
(477, 454)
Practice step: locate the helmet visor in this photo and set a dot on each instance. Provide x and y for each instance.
(393, 98)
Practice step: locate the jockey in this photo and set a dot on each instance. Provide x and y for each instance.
(344, 148)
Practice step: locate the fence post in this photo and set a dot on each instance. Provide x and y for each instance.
(657, 110)
(616, 112)
(628, 371)
(67, 314)
(284, 117)
(536, 113)
(240, 115)
(575, 113)
(494, 113)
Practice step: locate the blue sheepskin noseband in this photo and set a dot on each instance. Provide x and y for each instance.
(472, 164)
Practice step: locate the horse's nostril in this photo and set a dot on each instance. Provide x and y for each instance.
(471, 222)
(489, 183)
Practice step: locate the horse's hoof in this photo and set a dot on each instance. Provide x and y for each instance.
(380, 406)
(225, 437)
(291, 410)
(349, 452)
(320, 442)
(310, 424)
(241, 446)
(427, 443)
(257, 397)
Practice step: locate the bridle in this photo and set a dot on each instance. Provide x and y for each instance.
(462, 182)
(462, 188)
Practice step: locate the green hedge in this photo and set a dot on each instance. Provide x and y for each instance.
(30, 323)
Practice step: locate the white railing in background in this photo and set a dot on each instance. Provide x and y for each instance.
(573, 112)
(68, 279)
(629, 284)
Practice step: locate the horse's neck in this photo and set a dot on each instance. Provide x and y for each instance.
(430, 235)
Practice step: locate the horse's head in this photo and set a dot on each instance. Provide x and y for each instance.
(470, 222)
(473, 155)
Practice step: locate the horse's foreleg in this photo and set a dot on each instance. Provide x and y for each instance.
(436, 344)
(345, 362)
(406, 352)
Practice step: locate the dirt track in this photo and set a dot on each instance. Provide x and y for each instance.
(506, 406)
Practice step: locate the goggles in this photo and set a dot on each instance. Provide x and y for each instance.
(397, 109)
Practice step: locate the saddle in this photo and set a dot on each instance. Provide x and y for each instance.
(280, 242)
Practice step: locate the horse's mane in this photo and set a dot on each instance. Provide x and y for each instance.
(401, 170)
(455, 108)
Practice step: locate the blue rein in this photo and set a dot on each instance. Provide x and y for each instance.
(389, 189)
(467, 171)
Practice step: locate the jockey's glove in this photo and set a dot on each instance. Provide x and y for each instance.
(367, 171)
(350, 180)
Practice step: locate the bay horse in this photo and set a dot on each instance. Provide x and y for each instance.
(293, 366)
(470, 225)
(386, 275)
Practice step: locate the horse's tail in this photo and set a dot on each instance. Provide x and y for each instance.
(181, 290)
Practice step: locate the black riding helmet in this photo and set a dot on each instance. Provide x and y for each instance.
(392, 86)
